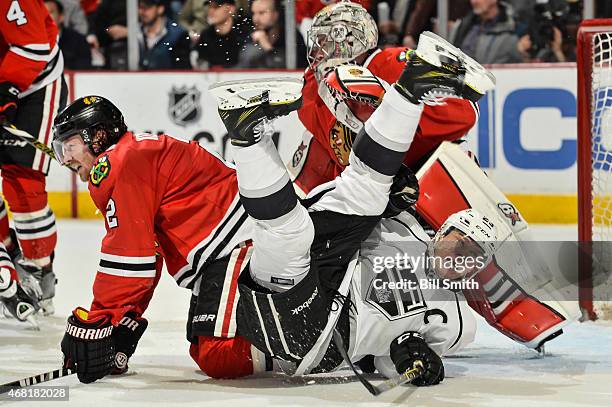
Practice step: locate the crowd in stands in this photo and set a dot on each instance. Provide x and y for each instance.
(203, 34)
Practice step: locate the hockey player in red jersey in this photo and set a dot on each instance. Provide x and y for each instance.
(32, 91)
(345, 33)
(163, 199)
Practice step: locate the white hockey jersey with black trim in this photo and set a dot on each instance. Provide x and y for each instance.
(385, 311)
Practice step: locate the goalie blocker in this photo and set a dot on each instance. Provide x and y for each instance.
(516, 292)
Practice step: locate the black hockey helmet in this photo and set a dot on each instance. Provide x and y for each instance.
(84, 117)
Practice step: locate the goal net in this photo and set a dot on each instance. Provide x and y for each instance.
(594, 62)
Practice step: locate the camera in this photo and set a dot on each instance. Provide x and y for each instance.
(547, 14)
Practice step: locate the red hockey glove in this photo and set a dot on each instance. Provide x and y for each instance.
(9, 96)
(357, 87)
(88, 346)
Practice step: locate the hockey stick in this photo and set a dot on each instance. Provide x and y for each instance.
(39, 378)
(33, 141)
(28, 138)
(408, 376)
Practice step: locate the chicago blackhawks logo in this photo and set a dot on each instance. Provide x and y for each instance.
(299, 154)
(341, 141)
(184, 105)
(100, 171)
(509, 212)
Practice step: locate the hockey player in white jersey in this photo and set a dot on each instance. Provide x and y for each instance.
(305, 280)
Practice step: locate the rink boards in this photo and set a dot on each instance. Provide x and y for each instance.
(525, 138)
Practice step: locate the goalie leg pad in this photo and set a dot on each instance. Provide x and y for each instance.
(450, 181)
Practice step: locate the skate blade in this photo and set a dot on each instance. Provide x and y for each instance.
(33, 322)
(248, 92)
(433, 49)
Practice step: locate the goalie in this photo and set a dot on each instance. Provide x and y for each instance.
(344, 33)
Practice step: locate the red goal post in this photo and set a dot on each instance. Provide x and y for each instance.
(594, 63)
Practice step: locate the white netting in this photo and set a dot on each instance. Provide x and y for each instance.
(601, 133)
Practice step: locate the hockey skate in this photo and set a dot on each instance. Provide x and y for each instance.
(15, 301)
(437, 70)
(37, 282)
(247, 106)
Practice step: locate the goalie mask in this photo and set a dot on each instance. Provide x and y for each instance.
(85, 117)
(340, 32)
(463, 246)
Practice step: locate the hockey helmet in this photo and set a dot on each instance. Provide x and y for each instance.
(465, 253)
(84, 117)
(340, 33)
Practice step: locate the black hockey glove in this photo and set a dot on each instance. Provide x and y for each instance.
(9, 96)
(126, 336)
(88, 346)
(410, 347)
(404, 192)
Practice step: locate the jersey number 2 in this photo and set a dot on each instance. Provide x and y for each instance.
(16, 14)
(111, 219)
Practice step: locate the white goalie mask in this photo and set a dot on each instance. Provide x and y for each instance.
(340, 32)
(463, 246)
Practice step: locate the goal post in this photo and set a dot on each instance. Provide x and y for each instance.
(594, 63)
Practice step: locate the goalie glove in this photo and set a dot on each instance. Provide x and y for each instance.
(357, 87)
(410, 347)
(88, 346)
(126, 336)
(404, 192)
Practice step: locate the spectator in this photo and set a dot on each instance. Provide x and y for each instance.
(109, 28)
(74, 46)
(163, 43)
(551, 32)
(407, 19)
(74, 17)
(266, 48)
(225, 37)
(193, 18)
(488, 33)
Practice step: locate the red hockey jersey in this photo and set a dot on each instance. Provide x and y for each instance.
(161, 196)
(29, 54)
(332, 142)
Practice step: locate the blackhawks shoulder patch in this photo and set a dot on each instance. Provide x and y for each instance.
(100, 170)
(341, 141)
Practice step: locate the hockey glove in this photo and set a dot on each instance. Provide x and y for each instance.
(355, 85)
(404, 192)
(88, 346)
(9, 96)
(126, 336)
(410, 347)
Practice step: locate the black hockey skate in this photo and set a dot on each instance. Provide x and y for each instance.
(246, 124)
(37, 282)
(437, 70)
(15, 301)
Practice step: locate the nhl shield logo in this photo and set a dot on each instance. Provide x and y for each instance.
(184, 105)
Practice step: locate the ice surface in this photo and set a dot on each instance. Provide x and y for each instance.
(493, 371)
